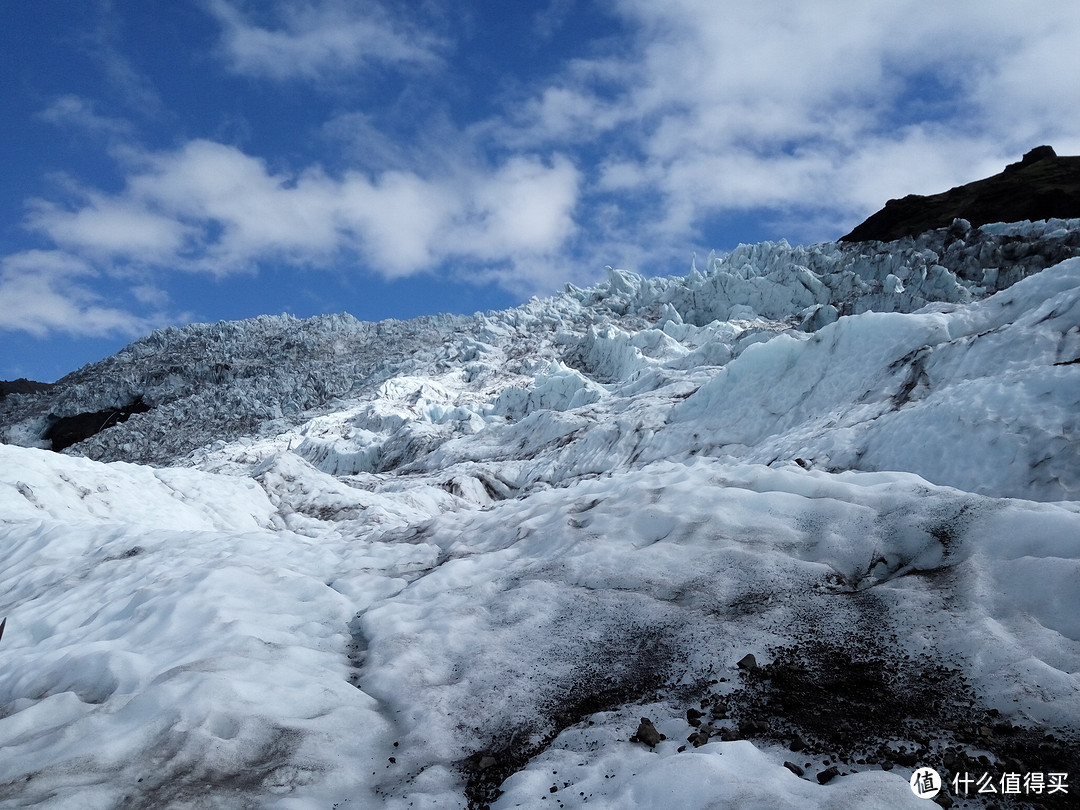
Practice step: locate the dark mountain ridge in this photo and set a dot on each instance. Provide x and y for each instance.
(22, 386)
(1041, 186)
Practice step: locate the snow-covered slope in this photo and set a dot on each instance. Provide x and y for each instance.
(453, 562)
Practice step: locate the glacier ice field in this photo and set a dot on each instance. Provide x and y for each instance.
(453, 562)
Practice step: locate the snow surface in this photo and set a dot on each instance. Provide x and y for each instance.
(453, 562)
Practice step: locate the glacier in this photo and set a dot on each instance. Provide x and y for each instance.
(453, 562)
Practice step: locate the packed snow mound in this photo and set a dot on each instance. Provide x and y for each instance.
(813, 512)
(51, 487)
(443, 657)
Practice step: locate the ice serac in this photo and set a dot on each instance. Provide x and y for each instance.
(454, 562)
(948, 395)
(629, 326)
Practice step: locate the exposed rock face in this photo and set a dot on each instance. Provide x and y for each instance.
(1041, 186)
(22, 386)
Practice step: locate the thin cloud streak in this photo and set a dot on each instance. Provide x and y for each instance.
(313, 41)
(80, 113)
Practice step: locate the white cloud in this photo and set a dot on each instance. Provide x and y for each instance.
(109, 227)
(314, 39)
(235, 208)
(47, 291)
(1030, 92)
(514, 214)
(210, 207)
(75, 111)
(720, 108)
(524, 207)
(400, 220)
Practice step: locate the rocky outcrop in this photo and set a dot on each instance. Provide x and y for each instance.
(1041, 186)
(22, 386)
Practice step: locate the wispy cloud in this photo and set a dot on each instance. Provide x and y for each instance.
(47, 291)
(127, 84)
(109, 228)
(210, 207)
(80, 113)
(309, 40)
(713, 109)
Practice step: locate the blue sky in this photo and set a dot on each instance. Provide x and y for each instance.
(170, 161)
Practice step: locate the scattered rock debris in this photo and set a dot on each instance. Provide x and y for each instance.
(748, 661)
(845, 708)
(620, 676)
(845, 705)
(647, 734)
(827, 775)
